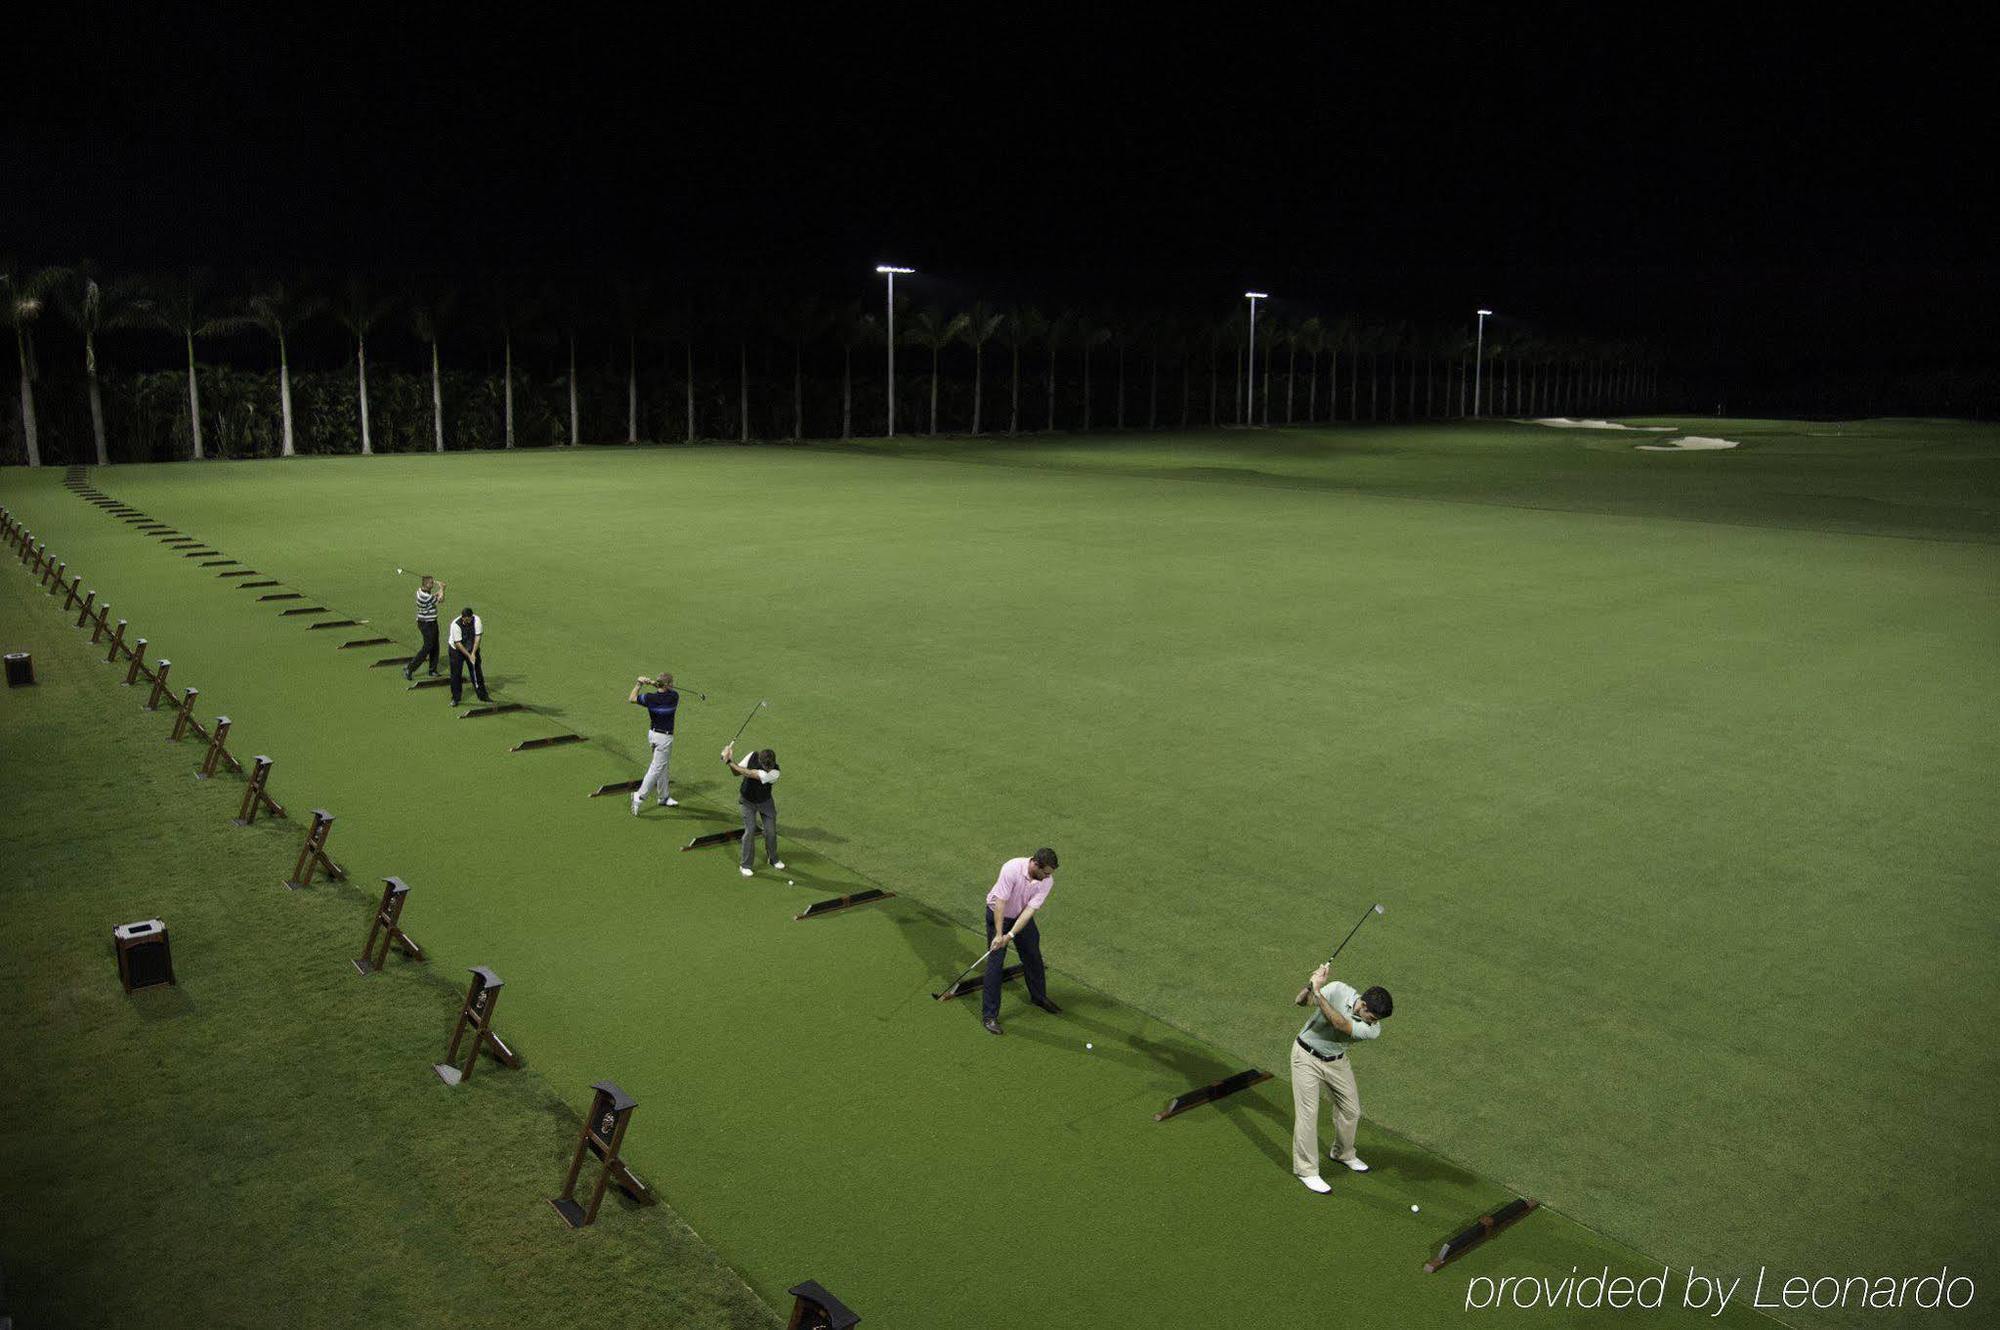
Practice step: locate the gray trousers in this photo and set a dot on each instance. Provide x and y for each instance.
(755, 815)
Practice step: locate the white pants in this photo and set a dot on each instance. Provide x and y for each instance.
(656, 774)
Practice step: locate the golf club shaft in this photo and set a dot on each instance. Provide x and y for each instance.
(746, 723)
(1305, 994)
(967, 972)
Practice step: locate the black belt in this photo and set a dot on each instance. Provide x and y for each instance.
(1323, 1057)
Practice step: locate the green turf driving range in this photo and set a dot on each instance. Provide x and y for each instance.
(1674, 773)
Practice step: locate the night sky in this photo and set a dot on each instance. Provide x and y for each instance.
(1749, 196)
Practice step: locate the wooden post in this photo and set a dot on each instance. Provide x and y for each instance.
(603, 1133)
(159, 684)
(138, 664)
(475, 1014)
(117, 644)
(388, 926)
(313, 856)
(813, 1308)
(184, 715)
(84, 617)
(215, 751)
(61, 568)
(100, 623)
(256, 794)
(76, 585)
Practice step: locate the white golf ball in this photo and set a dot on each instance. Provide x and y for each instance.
(1088, 1046)
(790, 883)
(1413, 1209)
(399, 572)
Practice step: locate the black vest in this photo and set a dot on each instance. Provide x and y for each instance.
(755, 791)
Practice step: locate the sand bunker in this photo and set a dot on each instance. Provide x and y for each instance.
(1689, 444)
(1564, 422)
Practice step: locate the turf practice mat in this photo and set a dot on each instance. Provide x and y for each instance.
(1659, 803)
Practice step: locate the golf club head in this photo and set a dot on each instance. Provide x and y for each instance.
(1378, 907)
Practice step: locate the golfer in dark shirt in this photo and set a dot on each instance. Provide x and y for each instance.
(661, 704)
(466, 635)
(759, 772)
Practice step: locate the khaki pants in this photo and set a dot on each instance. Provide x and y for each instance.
(1311, 1077)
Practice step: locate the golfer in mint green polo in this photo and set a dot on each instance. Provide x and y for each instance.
(1341, 1019)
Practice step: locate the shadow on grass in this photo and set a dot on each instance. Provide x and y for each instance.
(163, 1002)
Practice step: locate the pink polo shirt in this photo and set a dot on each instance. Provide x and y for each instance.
(1015, 891)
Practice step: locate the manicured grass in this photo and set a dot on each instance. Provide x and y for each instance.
(265, 1141)
(1671, 770)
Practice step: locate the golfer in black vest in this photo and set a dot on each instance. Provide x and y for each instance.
(466, 634)
(759, 772)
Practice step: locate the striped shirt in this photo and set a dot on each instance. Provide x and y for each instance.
(427, 605)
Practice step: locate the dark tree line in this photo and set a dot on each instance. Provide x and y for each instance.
(183, 365)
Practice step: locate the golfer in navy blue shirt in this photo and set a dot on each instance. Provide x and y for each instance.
(660, 704)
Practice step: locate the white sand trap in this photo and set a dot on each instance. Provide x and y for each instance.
(1692, 443)
(1564, 422)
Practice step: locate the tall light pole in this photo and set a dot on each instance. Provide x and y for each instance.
(1478, 361)
(1250, 394)
(890, 273)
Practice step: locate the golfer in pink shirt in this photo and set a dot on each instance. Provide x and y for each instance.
(1022, 888)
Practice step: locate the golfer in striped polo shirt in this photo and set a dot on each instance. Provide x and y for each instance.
(1341, 1018)
(429, 592)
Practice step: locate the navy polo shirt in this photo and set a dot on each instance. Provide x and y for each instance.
(660, 707)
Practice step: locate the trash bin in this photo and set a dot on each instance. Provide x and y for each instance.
(20, 669)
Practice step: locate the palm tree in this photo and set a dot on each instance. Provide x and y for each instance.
(1056, 334)
(186, 304)
(278, 309)
(93, 307)
(1023, 327)
(1125, 338)
(1268, 337)
(932, 331)
(858, 328)
(982, 322)
(803, 322)
(1090, 334)
(634, 294)
(565, 300)
(516, 312)
(427, 320)
(27, 295)
(359, 310)
(1311, 338)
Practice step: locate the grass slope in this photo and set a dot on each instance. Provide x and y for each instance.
(1660, 806)
(264, 1141)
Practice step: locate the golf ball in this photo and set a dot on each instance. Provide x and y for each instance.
(1090, 1046)
(790, 883)
(1413, 1209)
(399, 572)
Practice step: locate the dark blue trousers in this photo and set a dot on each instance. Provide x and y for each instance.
(1029, 940)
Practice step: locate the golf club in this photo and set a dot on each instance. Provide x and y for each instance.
(747, 719)
(685, 689)
(1305, 994)
(967, 972)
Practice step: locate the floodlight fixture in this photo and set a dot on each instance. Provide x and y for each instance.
(1250, 395)
(1478, 361)
(889, 271)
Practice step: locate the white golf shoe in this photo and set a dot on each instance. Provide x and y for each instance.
(746, 872)
(636, 807)
(1316, 1183)
(1354, 1163)
(670, 803)
(778, 864)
